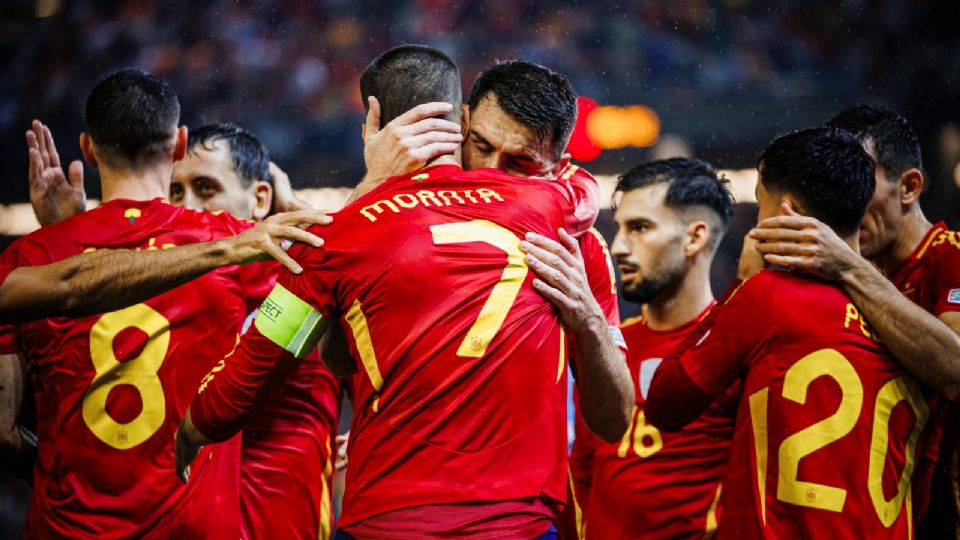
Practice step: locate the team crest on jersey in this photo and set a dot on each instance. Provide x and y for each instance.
(647, 369)
(954, 296)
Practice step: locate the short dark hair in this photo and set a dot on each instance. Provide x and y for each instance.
(826, 169)
(411, 75)
(132, 115)
(251, 160)
(895, 142)
(535, 96)
(691, 184)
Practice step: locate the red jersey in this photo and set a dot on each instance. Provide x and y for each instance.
(931, 279)
(286, 466)
(111, 389)
(655, 484)
(583, 193)
(829, 426)
(461, 396)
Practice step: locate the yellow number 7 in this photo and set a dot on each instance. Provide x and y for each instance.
(501, 298)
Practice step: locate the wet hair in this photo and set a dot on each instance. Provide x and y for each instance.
(537, 97)
(692, 187)
(894, 141)
(132, 116)
(411, 75)
(251, 160)
(828, 172)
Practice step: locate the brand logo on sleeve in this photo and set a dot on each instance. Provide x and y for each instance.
(954, 296)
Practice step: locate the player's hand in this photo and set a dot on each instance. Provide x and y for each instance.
(408, 142)
(341, 442)
(55, 196)
(804, 243)
(284, 198)
(562, 278)
(188, 444)
(751, 260)
(271, 237)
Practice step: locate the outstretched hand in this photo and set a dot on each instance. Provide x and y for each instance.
(55, 196)
(803, 243)
(271, 237)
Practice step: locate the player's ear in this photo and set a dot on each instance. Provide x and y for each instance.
(698, 236)
(910, 186)
(86, 148)
(793, 202)
(464, 120)
(263, 193)
(180, 143)
(363, 132)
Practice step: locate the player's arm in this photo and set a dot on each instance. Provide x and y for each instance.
(603, 380)
(106, 280)
(17, 450)
(406, 143)
(710, 359)
(927, 346)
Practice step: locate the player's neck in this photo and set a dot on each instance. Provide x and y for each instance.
(449, 159)
(687, 303)
(143, 185)
(912, 231)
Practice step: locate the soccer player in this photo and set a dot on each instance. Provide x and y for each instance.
(111, 389)
(901, 251)
(671, 218)
(459, 421)
(829, 425)
(286, 466)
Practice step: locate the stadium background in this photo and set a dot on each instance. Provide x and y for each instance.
(721, 78)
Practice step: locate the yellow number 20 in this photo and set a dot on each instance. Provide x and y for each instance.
(139, 372)
(832, 364)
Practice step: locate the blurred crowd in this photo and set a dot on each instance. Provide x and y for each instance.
(288, 69)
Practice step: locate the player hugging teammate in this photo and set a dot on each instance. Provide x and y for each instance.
(451, 296)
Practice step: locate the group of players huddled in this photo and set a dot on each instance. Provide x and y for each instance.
(185, 385)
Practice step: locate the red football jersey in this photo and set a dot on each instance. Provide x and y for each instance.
(111, 389)
(931, 278)
(583, 193)
(829, 426)
(461, 392)
(653, 484)
(286, 466)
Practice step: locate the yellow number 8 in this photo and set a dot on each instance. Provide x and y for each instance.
(139, 372)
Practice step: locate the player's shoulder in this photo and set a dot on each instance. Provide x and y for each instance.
(941, 244)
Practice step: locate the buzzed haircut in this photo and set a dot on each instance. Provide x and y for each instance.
(894, 141)
(251, 160)
(132, 115)
(693, 185)
(411, 75)
(828, 172)
(537, 97)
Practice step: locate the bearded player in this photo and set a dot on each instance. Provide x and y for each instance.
(671, 217)
(829, 425)
(439, 447)
(286, 465)
(110, 389)
(901, 251)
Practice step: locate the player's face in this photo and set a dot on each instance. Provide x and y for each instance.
(206, 180)
(496, 140)
(649, 245)
(881, 222)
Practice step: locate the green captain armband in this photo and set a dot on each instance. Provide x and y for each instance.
(290, 322)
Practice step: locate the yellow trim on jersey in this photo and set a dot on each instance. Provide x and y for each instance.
(325, 528)
(361, 336)
(577, 509)
(606, 254)
(933, 234)
(758, 417)
(569, 172)
(563, 353)
(633, 320)
(711, 527)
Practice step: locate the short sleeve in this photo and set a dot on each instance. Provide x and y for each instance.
(602, 281)
(583, 193)
(720, 349)
(947, 289)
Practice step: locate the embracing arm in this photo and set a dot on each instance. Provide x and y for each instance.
(927, 346)
(17, 452)
(603, 380)
(106, 280)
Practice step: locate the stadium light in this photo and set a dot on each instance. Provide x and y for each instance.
(601, 128)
